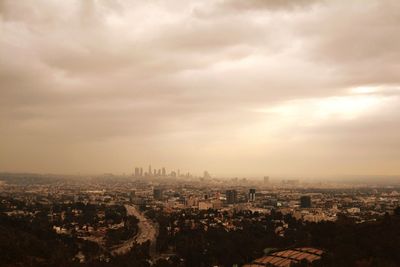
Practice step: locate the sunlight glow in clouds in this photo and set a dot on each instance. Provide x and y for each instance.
(339, 107)
(314, 111)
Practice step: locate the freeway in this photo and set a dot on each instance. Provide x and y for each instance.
(147, 231)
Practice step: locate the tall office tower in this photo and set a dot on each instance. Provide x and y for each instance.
(159, 172)
(149, 172)
(252, 195)
(137, 172)
(155, 172)
(132, 195)
(266, 179)
(305, 202)
(231, 196)
(163, 172)
(158, 193)
(141, 172)
(206, 175)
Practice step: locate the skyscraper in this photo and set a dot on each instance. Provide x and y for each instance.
(149, 172)
(163, 171)
(305, 202)
(266, 179)
(252, 195)
(206, 175)
(132, 195)
(158, 193)
(231, 196)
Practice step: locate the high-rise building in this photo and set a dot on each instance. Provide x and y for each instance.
(163, 172)
(141, 172)
(132, 195)
(136, 172)
(252, 195)
(149, 172)
(231, 196)
(305, 202)
(266, 179)
(158, 193)
(206, 175)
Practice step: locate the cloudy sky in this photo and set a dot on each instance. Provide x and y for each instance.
(244, 88)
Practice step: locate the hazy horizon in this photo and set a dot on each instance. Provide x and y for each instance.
(307, 88)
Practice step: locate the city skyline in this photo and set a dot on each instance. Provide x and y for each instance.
(240, 88)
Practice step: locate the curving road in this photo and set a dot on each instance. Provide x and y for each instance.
(147, 231)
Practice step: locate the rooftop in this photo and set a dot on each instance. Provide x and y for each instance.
(286, 257)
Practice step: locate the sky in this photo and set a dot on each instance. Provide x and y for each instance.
(300, 88)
